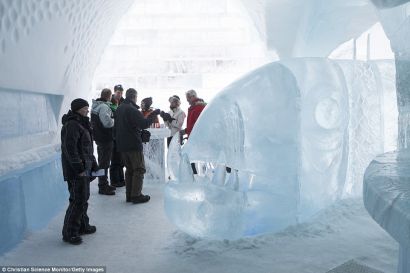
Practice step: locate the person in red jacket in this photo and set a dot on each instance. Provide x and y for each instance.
(194, 111)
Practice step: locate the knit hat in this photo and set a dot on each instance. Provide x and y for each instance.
(118, 87)
(77, 104)
(147, 102)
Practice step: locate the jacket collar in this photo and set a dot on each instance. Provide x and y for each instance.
(127, 101)
(74, 116)
(198, 102)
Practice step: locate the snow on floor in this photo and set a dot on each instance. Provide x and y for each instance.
(139, 238)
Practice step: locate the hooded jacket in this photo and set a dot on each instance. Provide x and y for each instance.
(76, 146)
(129, 122)
(102, 120)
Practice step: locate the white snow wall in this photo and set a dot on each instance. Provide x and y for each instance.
(48, 54)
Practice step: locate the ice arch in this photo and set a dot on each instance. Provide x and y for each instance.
(165, 48)
(315, 27)
(48, 53)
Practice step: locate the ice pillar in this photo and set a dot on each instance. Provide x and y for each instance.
(403, 98)
(395, 18)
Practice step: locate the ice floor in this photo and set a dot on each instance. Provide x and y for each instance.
(139, 238)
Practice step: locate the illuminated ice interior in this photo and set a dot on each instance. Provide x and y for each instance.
(297, 132)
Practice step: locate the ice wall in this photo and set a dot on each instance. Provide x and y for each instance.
(29, 198)
(299, 133)
(48, 54)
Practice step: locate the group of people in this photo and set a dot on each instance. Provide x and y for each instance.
(117, 126)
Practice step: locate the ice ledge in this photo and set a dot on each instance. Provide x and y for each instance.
(28, 160)
(159, 133)
(386, 196)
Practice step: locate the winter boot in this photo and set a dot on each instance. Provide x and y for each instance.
(74, 240)
(88, 230)
(106, 190)
(140, 199)
(118, 184)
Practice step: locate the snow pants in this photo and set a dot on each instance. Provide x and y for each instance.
(76, 217)
(117, 166)
(104, 150)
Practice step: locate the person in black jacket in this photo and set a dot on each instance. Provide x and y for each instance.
(77, 161)
(129, 122)
(117, 164)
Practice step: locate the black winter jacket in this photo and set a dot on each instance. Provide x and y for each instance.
(129, 122)
(76, 146)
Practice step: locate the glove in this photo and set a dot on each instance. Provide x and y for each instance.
(154, 114)
(167, 117)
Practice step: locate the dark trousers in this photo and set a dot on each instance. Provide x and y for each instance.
(194, 171)
(117, 166)
(169, 139)
(76, 217)
(104, 150)
(134, 173)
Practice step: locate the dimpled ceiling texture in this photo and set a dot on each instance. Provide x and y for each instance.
(53, 46)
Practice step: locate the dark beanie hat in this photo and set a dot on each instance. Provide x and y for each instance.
(118, 87)
(77, 104)
(147, 102)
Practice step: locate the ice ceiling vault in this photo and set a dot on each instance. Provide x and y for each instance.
(54, 46)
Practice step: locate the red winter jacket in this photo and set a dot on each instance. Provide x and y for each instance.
(193, 114)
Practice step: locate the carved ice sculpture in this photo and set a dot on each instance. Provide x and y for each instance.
(283, 129)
